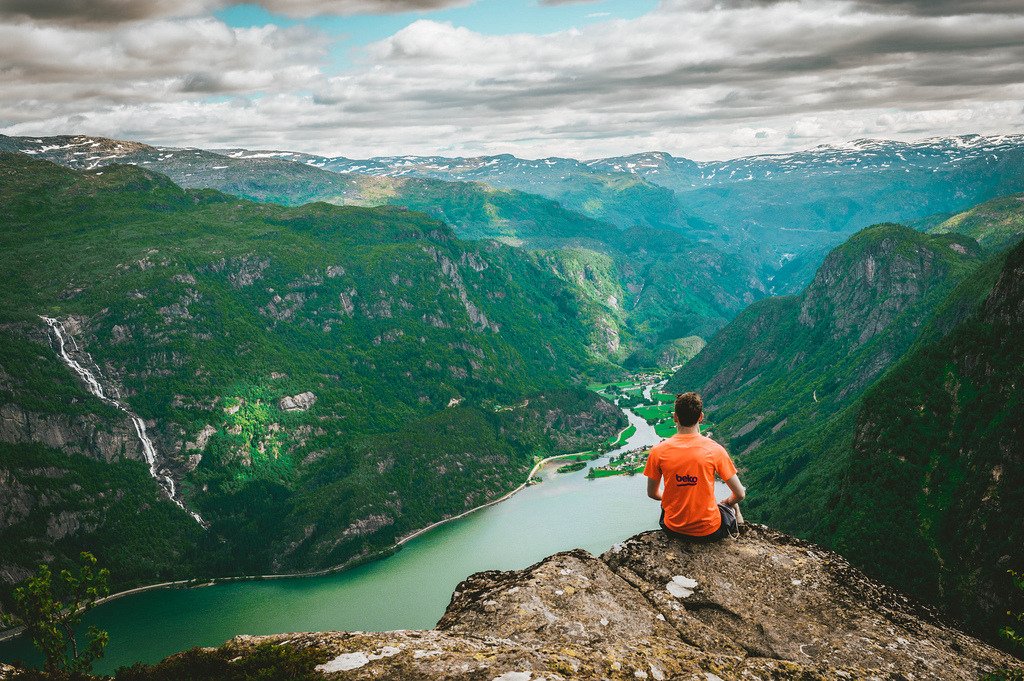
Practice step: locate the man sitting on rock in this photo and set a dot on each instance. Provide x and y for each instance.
(688, 462)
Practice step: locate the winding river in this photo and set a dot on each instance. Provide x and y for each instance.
(407, 590)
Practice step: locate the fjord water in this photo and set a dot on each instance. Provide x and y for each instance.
(408, 590)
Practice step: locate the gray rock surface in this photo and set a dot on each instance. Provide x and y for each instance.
(763, 606)
(300, 402)
(85, 434)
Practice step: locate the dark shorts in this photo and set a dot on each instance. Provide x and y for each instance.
(728, 527)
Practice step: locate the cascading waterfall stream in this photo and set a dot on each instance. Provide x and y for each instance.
(92, 382)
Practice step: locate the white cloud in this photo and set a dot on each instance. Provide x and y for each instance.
(125, 11)
(83, 68)
(692, 77)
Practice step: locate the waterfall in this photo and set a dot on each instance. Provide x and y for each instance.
(92, 383)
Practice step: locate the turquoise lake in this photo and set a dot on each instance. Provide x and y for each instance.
(407, 590)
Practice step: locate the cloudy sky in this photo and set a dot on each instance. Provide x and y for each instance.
(704, 79)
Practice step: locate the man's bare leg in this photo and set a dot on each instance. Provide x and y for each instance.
(739, 516)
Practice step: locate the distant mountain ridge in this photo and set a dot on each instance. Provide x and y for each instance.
(644, 284)
(931, 153)
(975, 156)
(89, 152)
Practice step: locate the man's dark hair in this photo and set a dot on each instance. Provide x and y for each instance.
(689, 407)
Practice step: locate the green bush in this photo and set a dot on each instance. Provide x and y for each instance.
(50, 610)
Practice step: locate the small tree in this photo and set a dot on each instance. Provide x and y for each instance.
(1012, 633)
(50, 612)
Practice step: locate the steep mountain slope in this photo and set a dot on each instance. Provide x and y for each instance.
(918, 481)
(787, 363)
(283, 361)
(941, 441)
(904, 456)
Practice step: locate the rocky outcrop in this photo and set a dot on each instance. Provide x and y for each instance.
(762, 606)
(85, 434)
(861, 289)
(451, 271)
(300, 402)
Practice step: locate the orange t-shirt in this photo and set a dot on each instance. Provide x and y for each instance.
(688, 463)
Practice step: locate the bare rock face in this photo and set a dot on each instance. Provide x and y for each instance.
(199, 444)
(300, 402)
(18, 500)
(84, 434)
(763, 606)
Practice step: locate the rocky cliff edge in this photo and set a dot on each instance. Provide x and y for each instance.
(763, 606)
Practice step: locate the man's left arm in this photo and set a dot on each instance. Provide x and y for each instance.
(654, 488)
(653, 473)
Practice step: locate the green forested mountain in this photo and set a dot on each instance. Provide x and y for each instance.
(898, 444)
(285, 361)
(940, 441)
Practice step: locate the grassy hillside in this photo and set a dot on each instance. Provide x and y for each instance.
(995, 224)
